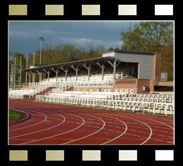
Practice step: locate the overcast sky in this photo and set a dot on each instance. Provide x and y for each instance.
(24, 36)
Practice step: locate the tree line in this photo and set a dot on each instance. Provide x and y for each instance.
(57, 54)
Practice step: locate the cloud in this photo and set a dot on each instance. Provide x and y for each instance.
(24, 36)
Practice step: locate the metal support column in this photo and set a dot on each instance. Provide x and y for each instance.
(102, 67)
(89, 69)
(56, 75)
(114, 69)
(26, 77)
(56, 72)
(29, 77)
(33, 77)
(114, 65)
(76, 70)
(77, 73)
(66, 71)
(48, 73)
(48, 76)
(138, 76)
(40, 76)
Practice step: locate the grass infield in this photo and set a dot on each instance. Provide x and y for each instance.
(14, 115)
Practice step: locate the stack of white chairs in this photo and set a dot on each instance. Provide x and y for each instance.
(150, 103)
(19, 94)
(82, 81)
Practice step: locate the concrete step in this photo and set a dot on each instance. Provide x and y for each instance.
(26, 97)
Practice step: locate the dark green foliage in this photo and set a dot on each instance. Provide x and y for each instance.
(65, 53)
(57, 54)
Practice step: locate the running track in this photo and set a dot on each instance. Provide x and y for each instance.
(51, 124)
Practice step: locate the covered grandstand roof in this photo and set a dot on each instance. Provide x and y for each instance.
(132, 52)
(86, 61)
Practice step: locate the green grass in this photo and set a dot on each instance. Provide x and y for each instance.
(14, 115)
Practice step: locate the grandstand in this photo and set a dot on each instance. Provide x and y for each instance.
(121, 80)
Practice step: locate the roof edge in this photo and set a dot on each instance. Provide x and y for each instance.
(132, 52)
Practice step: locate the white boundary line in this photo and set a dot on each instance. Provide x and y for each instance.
(42, 129)
(20, 128)
(83, 122)
(88, 134)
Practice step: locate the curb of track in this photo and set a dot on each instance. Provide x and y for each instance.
(26, 116)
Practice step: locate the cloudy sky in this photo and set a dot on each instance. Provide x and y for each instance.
(24, 36)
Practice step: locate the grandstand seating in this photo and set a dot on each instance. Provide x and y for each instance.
(150, 103)
(19, 94)
(82, 81)
(121, 99)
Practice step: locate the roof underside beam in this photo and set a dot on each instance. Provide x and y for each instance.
(69, 64)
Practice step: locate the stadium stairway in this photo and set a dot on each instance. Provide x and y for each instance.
(32, 98)
(69, 89)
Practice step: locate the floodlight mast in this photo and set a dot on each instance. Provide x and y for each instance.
(33, 58)
(20, 72)
(14, 74)
(130, 35)
(27, 59)
(41, 41)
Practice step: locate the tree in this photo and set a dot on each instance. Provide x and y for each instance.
(152, 36)
(148, 36)
(100, 49)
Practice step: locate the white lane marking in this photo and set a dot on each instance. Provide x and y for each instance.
(98, 127)
(145, 125)
(166, 120)
(55, 135)
(88, 134)
(41, 129)
(149, 134)
(126, 128)
(156, 121)
(20, 128)
(160, 131)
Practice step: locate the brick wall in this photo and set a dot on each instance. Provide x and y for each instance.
(138, 85)
(145, 86)
(157, 68)
(167, 83)
(151, 84)
(126, 84)
(119, 84)
(25, 86)
(95, 89)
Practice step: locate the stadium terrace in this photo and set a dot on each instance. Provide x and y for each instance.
(119, 70)
(73, 104)
(119, 79)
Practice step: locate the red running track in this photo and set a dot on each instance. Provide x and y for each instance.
(51, 124)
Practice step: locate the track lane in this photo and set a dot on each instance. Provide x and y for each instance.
(42, 129)
(140, 129)
(158, 128)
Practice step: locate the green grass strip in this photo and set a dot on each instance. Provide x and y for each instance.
(14, 115)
